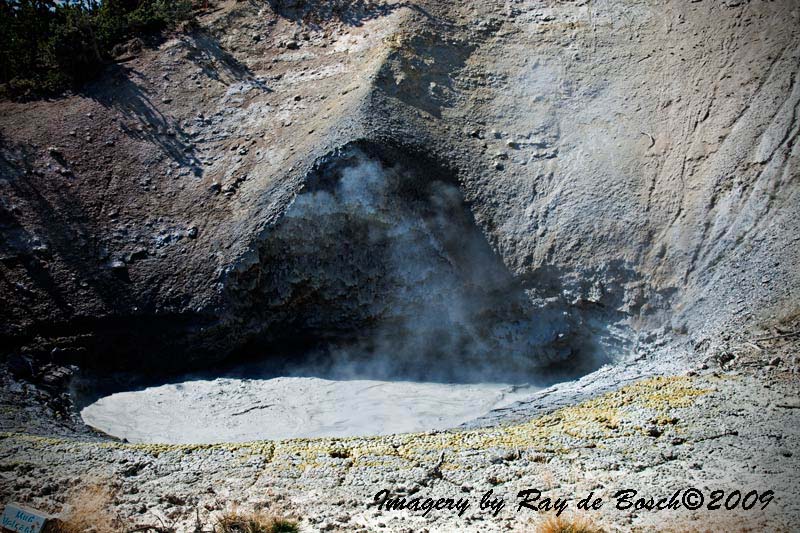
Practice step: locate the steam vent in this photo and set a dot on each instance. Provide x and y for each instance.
(400, 266)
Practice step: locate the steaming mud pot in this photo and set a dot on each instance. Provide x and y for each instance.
(391, 260)
(241, 410)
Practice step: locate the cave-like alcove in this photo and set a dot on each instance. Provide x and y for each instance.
(376, 285)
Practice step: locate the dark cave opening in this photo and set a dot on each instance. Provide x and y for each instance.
(378, 268)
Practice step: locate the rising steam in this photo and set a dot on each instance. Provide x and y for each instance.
(399, 263)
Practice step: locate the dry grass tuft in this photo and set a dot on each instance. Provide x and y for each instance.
(574, 524)
(90, 509)
(255, 522)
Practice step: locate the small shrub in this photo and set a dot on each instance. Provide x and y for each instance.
(255, 522)
(48, 46)
(575, 524)
(339, 453)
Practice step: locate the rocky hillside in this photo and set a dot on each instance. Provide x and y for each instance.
(516, 187)
(633, 166)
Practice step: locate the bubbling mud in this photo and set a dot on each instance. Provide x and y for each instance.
(241, 410)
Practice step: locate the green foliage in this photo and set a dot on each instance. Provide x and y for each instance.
(48, 46)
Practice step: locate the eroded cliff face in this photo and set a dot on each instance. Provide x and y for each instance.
(623, 168)
(643, 148)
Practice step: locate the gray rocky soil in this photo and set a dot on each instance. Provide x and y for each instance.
(610, 186)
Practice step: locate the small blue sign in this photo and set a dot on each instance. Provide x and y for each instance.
(23, 520)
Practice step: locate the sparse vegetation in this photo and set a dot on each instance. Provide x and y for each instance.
(573, 524)
(48, 46)
(89, 509)
(254, 522)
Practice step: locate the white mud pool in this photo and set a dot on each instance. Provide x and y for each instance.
(240, 410)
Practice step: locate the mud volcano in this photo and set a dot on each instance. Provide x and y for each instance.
(461, 246)
(381, 309)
